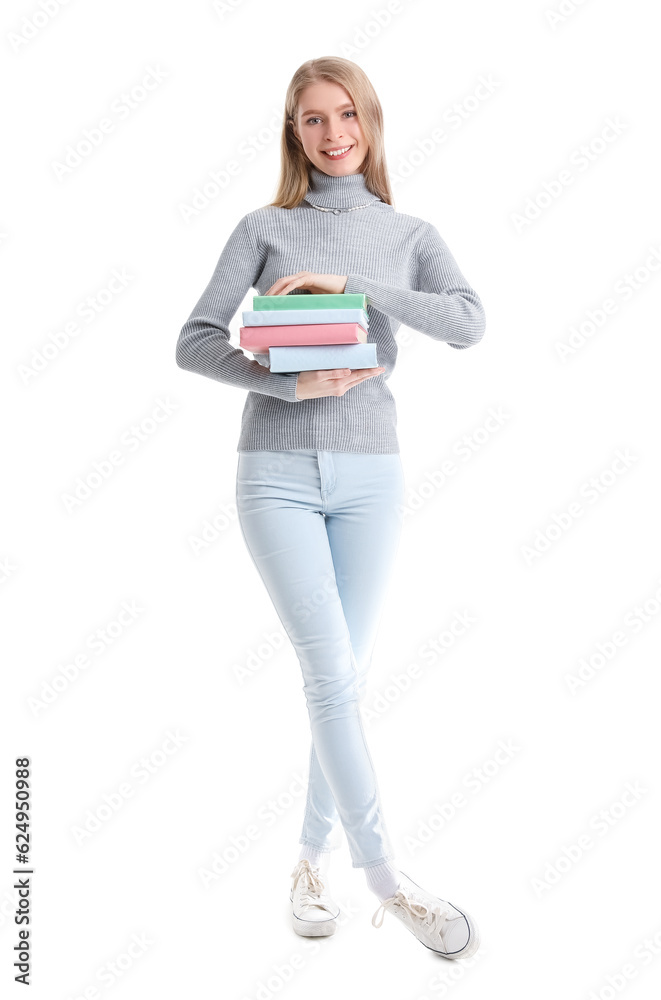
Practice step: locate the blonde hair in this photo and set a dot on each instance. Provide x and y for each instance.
(294, 164)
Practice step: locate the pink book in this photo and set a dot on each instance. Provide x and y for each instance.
(258, 339)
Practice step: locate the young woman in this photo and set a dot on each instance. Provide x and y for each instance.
(320, 484)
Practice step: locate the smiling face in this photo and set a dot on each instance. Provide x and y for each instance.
(327, 123)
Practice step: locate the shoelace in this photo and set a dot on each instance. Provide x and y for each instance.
(313, 886)
(434, 917)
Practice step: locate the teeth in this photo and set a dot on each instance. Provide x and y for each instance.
(337, 152)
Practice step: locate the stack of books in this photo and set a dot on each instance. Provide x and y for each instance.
(309, 332)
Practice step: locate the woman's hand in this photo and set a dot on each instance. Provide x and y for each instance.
(319, 284)
(331, 382)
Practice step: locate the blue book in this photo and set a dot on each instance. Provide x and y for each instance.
(315, 357)
(303, 317)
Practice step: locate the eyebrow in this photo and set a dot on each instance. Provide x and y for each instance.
(350, 104)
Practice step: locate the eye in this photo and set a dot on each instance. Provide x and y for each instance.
(317, 119)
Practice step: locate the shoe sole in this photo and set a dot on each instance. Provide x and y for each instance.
(312, 928)
(473, 942)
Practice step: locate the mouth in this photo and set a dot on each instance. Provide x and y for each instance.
(339, 153)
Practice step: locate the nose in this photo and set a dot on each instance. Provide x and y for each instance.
(334, 135)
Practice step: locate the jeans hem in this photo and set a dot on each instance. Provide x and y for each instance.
(317, 847)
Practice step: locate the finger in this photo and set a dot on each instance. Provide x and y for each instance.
(277, 286)
(362, 377)
(368, 372)
(297, 283)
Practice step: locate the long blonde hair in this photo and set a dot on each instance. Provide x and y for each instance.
(294, 164)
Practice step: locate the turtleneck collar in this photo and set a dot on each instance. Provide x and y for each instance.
(341, 191)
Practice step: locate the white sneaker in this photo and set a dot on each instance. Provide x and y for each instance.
(314, 913)
(439, 925)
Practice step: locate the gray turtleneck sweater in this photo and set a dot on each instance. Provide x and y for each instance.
(399, 261)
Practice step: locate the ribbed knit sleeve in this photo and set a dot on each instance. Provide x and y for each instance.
(444, 306)
(203, 345)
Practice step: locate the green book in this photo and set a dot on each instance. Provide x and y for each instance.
(357, 301)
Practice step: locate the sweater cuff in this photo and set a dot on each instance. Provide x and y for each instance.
(354, 285)
(287, 384)
(358, 283)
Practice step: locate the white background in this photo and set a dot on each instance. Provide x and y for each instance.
(551, 925)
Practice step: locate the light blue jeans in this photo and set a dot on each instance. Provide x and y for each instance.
(323, 529)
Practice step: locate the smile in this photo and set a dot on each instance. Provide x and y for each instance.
(337, 153)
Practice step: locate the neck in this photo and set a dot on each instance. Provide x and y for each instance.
(338, 191)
